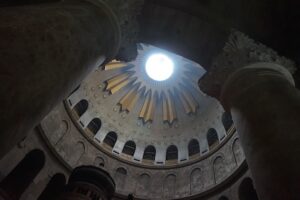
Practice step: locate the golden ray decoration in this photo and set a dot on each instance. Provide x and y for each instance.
(114, 64)
(118, 82)
(147, 111)
(169, 111)
(189, 103)
(128, 101)
(155, 95)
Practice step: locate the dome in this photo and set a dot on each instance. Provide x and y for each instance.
(143, 130)
(165, 113)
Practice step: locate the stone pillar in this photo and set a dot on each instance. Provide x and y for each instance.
(46, 50)
(17, 181)
(265, 107)
(89, 182)
(54, 187)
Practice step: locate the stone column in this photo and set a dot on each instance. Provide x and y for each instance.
(18, 180)
(46, 50)
(265, 107)
(89, 182)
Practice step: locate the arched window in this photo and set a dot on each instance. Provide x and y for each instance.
(172, 153)
(227, 120)
(212, 137)
(247, 191)
(81, 107)
(149, 153)
(129, 148)
(193, 147)
(121, 170)
(111, 139)
(99, 161)
(223, 198)
(94, 125)
(24, 173)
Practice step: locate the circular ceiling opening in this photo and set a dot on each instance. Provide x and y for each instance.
(159, 67)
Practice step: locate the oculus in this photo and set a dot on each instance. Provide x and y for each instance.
(159, 67)
(160, 85)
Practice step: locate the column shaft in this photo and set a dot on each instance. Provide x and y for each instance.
(265, 107)
(46, 50)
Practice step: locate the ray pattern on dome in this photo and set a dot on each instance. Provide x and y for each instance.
(167, 95)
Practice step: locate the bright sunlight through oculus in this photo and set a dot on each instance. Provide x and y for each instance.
(159, 67)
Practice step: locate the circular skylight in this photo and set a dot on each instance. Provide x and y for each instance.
(159, 67)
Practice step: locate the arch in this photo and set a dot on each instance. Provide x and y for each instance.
(59, 133)
(149, 153)
(196, 181)
(23, 174)
(111, 139)
(227, 120)
(120, 177)
(129, 148)
(172, 153)
(73, 155)
(169, 186)
(143, 185)
(94, 125)
(219, 169)
(238, 152)
(223, 198)
(99, 162)
(247, 191)
(193, 147)
(122, 170)
(212, 137)
(81, 107)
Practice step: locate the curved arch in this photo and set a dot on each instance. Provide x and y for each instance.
(219, 169)
(227, 120)
(129, 148)
(143, 185)
(149, 153)
(94, 125)
(169, 186)
(246, 190)
(172, 153)
(193, 147)
(237, 151)
(110, 139)
(121, 170)
(120, 177)
(196, 182)
(74, 155)
(81, 107)
(212, 138)
(99, 162)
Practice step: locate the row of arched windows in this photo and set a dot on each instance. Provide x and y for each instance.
(150, 151)
(82, 106)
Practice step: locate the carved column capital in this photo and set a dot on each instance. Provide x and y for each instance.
(238, 52)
